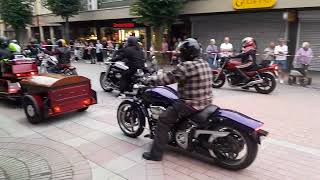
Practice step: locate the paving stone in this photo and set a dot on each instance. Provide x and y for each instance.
(19, 161)
(118, 165)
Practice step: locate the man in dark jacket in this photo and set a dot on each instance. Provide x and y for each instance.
(62, 52)
(133, 56)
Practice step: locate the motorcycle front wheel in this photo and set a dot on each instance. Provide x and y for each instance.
(104, 83)
(268, 85)
(218, 83)
(234, 152)
(130, 119)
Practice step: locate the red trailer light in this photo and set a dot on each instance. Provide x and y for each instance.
(12, 90)
(56, 109)
(33, 73)
(87, 102)
(18, 75)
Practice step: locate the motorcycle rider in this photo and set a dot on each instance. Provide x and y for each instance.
(14, 47)
(133, 56)
(5, 53)
(63, 54)
(248, 57)
(194, 78)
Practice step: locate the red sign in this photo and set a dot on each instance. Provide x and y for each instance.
(123, 25)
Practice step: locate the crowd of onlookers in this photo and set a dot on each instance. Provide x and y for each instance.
(96, 51)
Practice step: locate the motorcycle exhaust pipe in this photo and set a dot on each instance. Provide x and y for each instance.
(252, 83)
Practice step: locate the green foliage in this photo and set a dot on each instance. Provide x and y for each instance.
(157, 13)
(63, 8)
(17, 13)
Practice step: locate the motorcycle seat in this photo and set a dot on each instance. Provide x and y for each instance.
(202, 116)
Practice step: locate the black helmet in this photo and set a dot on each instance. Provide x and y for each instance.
(132, 41)
(4, 42)
(189, 49)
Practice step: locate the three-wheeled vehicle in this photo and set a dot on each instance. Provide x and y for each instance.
(49, 95)
(12, 72)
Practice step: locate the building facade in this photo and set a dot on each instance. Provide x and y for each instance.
(266, 20)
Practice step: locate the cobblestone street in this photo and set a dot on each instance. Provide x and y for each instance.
(90, 145)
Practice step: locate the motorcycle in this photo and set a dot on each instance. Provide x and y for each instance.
(47, 62)
(262, 77)
(110, 78)
(228, 137)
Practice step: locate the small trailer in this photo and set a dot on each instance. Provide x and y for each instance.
(49, 95)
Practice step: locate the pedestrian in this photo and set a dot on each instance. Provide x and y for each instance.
(281, 52)
(99, 48)
(303, 58)
(269, 53)
(77, 50)
(178, 43)
(91, 53)
(226, 48)
(212, 53)
(165, 49)
(49, 45)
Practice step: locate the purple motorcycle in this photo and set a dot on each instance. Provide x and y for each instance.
(230, 138)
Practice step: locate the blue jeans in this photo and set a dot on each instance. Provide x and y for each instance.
(212, 62)
(283, 64)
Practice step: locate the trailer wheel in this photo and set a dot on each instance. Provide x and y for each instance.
(83, 109)
(32, 110)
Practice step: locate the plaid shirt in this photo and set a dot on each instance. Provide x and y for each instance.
(194, 80)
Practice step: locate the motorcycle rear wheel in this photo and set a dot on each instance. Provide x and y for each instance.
(268, 85)
(224, 158)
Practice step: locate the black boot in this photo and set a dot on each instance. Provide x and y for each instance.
(149, 156)
(246, 79)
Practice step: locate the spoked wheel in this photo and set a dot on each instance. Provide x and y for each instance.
(219, 82)
(235, 151)
(32, 110)
(268, 85)
(105, 85)
(130, 119)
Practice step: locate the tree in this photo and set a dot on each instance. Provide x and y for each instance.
(65, 9)
(18, 14)
(159, 14)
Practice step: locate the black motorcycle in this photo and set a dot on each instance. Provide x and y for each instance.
(110, 78)
(228, 137)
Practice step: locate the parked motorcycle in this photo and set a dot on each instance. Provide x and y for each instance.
(47, 62)
(262, 77)
(228, 137)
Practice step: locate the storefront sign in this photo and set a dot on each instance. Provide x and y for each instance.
(253, 4)
(123, 25)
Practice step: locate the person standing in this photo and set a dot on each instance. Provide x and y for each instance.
(269, 52)
(303, 58)
(99, 48)
(281, 52)
(165, 49)
(226, 48)
(212, 52)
